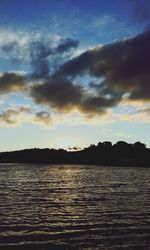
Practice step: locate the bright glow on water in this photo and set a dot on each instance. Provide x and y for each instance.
(74, 207)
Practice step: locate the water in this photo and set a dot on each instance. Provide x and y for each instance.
(74, 207)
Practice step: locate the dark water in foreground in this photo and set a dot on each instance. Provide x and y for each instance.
(74, 207)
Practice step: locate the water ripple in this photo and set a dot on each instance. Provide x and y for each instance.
(74, 207)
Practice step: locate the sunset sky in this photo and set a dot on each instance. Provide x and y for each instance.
(74, 72)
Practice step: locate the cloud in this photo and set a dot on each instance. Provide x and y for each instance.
(96, 105)
(39, 53)
(136, 117)
(12, 116)
(124, 67)
(141, 11)
(9, 46)
(77, 65)
(11, 82)
(43, 117)
(14, 47)
(27, 50)
(66, 45)
(134, 112)
(120, 70)
(60, 94)
(63, 95)
(145, 110)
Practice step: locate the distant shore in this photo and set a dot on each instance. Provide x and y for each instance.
(119, 154)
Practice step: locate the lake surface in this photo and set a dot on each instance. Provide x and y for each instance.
(74, 207)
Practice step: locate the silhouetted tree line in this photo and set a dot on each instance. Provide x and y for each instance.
(104, 153)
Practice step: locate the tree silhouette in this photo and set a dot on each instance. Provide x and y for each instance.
(104, 153)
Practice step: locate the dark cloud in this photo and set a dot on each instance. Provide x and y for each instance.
(44, 58)
(64, 95)
(120, 69)
(14, 116)
(124, 66)
(43, 117)
(9, 116)
(11, 82)
(76, 66)
(92, 104)
(66, 45)
(57, 93)
(39, 53)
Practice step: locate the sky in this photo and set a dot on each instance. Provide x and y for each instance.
(74, 73)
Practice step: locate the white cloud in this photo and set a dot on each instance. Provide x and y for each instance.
(103, 21)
